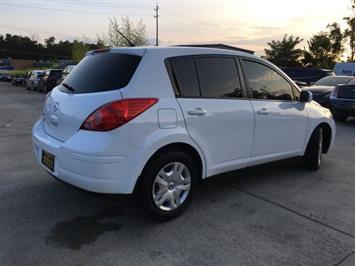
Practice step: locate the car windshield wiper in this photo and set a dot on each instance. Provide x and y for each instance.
(70, 88)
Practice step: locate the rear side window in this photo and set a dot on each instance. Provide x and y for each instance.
(266, 83)
(101, 72)
(219, 77)
(185, 76)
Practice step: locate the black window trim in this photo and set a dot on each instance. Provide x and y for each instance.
(176, 89)
(250, 93)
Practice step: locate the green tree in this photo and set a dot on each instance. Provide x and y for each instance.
(284, 53)
(337, 39)
(50, 41)
(319, 52)
(324, 48)
(79, 50)
(134, 32)
(349, 33)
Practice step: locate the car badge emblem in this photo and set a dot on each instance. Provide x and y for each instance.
(56, 107)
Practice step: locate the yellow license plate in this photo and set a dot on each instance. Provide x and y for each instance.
(48, 160)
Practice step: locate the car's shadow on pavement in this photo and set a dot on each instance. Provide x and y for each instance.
(115, 212)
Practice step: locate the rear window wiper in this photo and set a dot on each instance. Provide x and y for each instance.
(70, 88)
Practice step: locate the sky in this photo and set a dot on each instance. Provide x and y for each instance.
(248, 24)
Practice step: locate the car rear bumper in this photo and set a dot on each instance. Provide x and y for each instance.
(74, 165)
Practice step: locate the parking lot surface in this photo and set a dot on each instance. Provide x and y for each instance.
(275, 214)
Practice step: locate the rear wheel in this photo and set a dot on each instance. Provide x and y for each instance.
(167, 185)
(314, 151)
(339, 116)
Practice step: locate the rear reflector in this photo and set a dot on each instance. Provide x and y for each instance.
(115, 114)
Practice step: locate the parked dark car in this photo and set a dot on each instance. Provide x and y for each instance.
(342, 101)
(7, 67)
(304, 76)
(50, 79)
(322, 89)
(5, 76)
(18, 80)
(65, 73)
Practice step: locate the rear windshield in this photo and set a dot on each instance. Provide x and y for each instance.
(101, 72)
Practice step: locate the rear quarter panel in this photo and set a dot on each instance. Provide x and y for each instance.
(151, 80)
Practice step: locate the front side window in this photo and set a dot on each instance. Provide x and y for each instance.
(219, 77)
(266, 83)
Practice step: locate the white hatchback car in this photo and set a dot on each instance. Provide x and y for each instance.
(161, 119)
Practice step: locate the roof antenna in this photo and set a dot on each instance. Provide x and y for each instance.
(131, 44)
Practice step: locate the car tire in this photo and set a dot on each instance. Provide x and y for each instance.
(167, 185)
(314, 151)
(339, 116)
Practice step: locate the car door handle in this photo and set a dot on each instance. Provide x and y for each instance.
(262, 111)
(197, 112)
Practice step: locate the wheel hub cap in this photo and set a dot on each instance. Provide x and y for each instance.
(171, 186)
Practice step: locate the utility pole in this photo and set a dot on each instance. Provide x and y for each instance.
(156, 16)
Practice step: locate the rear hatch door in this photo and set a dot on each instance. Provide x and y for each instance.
(96, 81)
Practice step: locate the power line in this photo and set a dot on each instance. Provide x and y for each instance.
(98, 4)
(70, 11)
(189, 25)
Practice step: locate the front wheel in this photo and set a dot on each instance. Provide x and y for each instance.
(167, 186)
(314, 151)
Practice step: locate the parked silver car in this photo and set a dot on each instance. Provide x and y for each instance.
(33, 79)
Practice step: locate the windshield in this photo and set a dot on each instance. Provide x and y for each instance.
(332, 81)
(351, 82)
(101, 72)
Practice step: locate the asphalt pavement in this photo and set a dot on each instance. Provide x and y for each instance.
(274, 214)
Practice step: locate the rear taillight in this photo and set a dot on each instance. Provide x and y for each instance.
(334, 93)
(114, 114)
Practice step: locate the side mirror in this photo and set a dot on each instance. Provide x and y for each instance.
(306, 97)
